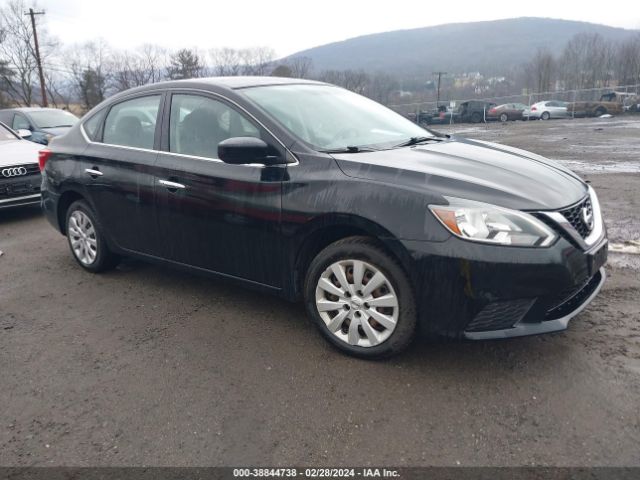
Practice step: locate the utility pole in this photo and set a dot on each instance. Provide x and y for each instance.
(438, 94)
(43, 90)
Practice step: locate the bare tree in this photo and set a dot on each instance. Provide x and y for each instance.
(541, 71)
(381, 86)
(628, 61)
(257, 60)
(354, 80)
(301, 67)
(587, 61)
(17, 49)
(226, 62)
(138, 67)
(90, 68)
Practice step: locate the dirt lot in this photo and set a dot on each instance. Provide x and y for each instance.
(148, 366)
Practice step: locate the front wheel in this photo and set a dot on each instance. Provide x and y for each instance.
(86, 240)
(361, 299)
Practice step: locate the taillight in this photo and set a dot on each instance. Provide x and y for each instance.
(492, 110)
(533, 109)
(43, 156)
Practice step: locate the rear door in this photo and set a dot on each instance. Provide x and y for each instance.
(212, 215)
(117, 171)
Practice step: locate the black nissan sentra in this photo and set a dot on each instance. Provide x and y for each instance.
(384, 229)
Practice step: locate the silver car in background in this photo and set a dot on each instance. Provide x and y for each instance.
(19, 169)
(546, 110)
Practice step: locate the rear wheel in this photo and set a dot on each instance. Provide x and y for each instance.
(545, 116)
(361, 299)
(504, 117)
(476, 117)
(86, 240)
(600, 111)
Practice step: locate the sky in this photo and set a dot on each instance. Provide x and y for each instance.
(289, 26)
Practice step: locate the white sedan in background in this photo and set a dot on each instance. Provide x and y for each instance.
(546, 110)
(19, 170)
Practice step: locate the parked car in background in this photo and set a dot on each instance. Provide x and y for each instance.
(507, 111)
(546, 110)
(19, 173)
(314, 193)
(43, 123)
(473, 111)
(612, 103)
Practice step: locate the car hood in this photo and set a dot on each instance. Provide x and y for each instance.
(473, 170)
(18, 152)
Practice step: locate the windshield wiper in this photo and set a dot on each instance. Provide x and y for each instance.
(416, 141)
(349, 149)
(59, 126)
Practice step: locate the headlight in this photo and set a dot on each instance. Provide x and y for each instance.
(482, 222)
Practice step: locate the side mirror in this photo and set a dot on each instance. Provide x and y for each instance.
(244, 150)
(24, 133)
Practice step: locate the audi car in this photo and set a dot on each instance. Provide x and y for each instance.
(19, 172)
(384, 229)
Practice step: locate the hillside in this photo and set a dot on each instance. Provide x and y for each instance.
(487, 47)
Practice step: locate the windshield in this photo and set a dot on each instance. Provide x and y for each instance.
(53, 118)
(6, 134)
(330, 118)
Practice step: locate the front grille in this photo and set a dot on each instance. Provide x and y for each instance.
(500, 315)
(575, 217)
(20, 185)
(570, 299)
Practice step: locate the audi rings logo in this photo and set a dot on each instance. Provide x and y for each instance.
(13, 172)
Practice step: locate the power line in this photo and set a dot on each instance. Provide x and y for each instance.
(43, 90)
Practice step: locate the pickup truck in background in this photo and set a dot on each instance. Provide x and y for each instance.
(613, 103)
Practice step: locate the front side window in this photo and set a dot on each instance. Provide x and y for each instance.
(132, 123)
(328, 117)
(198, 124)
(20, 122)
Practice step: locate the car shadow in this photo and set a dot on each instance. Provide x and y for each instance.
(19, 214)
(440, 356)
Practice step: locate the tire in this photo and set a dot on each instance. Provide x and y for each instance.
(600, 111)
(476, 117)
(545, 116)
(504, 117)
(86, 240)
(380, 331)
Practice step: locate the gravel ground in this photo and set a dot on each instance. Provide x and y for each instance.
(149, 366)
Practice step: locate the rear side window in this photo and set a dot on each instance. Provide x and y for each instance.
(198, 124)
(132, 123)
(92, 126)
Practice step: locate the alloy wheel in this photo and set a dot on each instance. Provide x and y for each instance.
(82, 236)
(357, 303)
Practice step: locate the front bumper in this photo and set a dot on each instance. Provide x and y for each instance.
(20, 201)
(474, 291)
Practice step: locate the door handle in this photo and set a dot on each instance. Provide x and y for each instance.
(93, 172)
(171, 185)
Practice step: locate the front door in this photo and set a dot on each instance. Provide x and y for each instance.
(212, 215)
